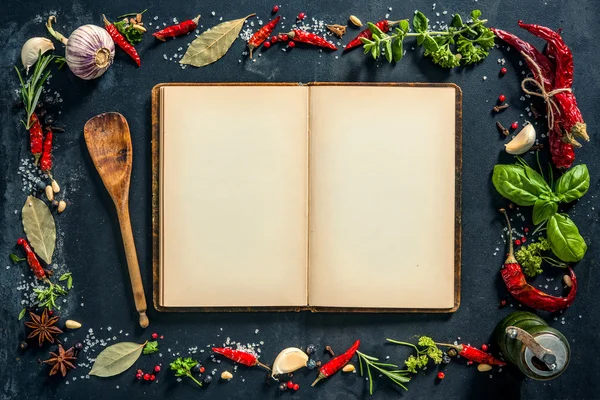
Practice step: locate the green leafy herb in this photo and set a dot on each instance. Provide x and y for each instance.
(543, 210)
(398, 376)
(519, 183)
(46, 298)
(565, 241)
(133, 36)
(22, 313)
(183, 367)
(426, 350)
(573, 184)
(531, 257)
(16, 259)
(471, 42)
(150, 348)
(67, 277)
(32, 89)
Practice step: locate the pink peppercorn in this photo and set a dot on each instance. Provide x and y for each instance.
(275, 9)
(296, 386)
(503, 71)
(267, 45)
(484, 347)
(515, 125)
(301, 16)
(291, 44)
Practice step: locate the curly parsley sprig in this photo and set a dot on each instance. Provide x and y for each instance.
(471, 41)
(531, 257)
(428, 351)
(183, 367)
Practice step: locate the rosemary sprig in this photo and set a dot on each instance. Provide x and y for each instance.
(398, 376)
(46, 298)
(31, 89)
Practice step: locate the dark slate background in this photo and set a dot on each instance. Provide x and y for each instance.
(90, 244)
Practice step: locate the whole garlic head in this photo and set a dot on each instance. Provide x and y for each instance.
(521, 143)
(33, 49)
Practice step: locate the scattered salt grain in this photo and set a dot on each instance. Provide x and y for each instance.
(213, 13)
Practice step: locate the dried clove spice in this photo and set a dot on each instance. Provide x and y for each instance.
(536, 147)
(502, 129)
(336, 29)
(500, 107)
(329, 350)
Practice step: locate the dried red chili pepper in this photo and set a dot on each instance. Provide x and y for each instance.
(336, 363)
(177, 30)
(262, 34)
(302, 36)
(32, 260)
(46, 160)
(384, 25)
(121, 41)
(517, 285)
(562, 153)
(239, 356)
(572, 119)
(35, 137)
(474, 354)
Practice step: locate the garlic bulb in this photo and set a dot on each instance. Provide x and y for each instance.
(33, 49)
(289, 360)
(521, 143)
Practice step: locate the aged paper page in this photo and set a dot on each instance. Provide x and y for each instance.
(382, 176)
(234, 196)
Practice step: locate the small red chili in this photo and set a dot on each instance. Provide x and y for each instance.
(383, 25)
(441, 375)
(177, 30)
(336, 363)
(120, 40)
(503, 71)
(32, 260)
(303, 36)
(239, 356)
(291, 44)
(290, 384)
(515, 125)
(473, 354)
(501, 98)
(262, 34)
(275, 9)
(46, 159)
(301, 16)
(484, 347)
(35, 137)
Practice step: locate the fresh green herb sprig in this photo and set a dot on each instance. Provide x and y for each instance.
(426, 350)
(126, 29)
(183, 367)
(67, 277)
(16, 259)
(31, 90)
(46, 298)
(150, 348)
(531, 257)
(471, 41)
(398, 376)
(524, 186)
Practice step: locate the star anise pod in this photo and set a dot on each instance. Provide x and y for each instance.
(43, 327)
(63, 361)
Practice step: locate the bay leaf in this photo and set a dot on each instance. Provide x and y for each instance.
(116, 359)
(39, 227)
(214, 43)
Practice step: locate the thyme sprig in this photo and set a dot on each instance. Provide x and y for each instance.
(472, 41)
(31, 89)
(398, 376)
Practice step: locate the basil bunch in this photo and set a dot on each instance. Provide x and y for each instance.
(524, 186)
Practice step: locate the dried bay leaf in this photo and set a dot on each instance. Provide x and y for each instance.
(214, 43)
(39, 227)
(116, 359)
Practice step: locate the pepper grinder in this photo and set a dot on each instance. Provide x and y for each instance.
(538, 350)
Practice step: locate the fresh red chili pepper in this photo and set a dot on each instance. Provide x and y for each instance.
(572, 119)
(46, 160)
(517, 286)
(384, 25)
(303, 36)
(239, 356)
(336, 363)
(32, 260)
(177, 30)
(474, 354)
(262, 34)
(121, 41)
(35, 137)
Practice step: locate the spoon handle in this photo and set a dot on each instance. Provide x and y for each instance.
(132, 264)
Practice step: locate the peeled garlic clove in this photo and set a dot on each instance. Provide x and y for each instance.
(33, 49)
(348, 368)
(70, 324)
(289, 360)
(521, 143)
(484, 367)
(226, 375)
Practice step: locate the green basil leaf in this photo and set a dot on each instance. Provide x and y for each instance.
(420, 22)
(404, 25)
(573, 184)
(543, 210)
(430, 44)
(512, 182)
(456, 21)
(564, 238)
(397, 50)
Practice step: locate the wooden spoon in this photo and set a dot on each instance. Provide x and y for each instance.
(109, 143)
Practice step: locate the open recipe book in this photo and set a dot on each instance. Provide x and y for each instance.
(326, 196)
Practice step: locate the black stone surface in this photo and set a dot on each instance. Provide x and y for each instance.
(90, 246)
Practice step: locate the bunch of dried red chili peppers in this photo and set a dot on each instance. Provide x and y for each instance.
(553, 78)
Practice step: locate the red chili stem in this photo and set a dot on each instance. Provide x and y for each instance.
(517, 285)
(32, 260)
(121, 41)
(262, 34)
(177, 30)
(302, 36)
(336, 363)
(35, 137)
(46, 160)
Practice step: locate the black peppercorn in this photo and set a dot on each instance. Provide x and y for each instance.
(78, 346)
(310, 349)
(282, 387)
(196, 368)
(207, 379)
(23, 345)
